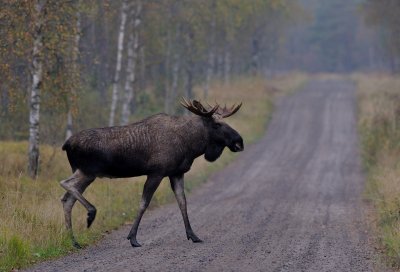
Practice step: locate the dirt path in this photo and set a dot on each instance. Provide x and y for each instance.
(292, 202)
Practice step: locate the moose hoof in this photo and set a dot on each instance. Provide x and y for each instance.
(76, 245)
(90, 217)
(194, 238)
(134, 243)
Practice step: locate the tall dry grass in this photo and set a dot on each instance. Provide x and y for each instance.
(32, 223)
(379, 126)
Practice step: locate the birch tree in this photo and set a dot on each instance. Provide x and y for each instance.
(37, 69)
(133, 51)
(172, 56)
(115, 85)
(75, 56)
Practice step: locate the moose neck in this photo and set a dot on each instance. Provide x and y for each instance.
(194, 134)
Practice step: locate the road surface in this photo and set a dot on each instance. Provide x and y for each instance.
(291, 202)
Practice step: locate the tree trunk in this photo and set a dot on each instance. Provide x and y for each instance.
(255, 54)
(4, 100)
(68, 132)
(167, 97)
(174, 65)
(121, 34)
(75, 70)
(34, 113)
(175, 79)
(142, 70)
(189, 64)
(101, 48)
(227, 66)
(189, 79)
(133, 50)
(189, 82)
(220, 65)
(211, 49)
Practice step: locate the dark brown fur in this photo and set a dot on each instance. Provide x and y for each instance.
(159, 146)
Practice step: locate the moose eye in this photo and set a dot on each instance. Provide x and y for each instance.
(216, 125)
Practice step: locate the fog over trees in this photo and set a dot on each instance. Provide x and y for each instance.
(69, 65)
(343, 36)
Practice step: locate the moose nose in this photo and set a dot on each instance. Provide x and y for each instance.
(239, 147)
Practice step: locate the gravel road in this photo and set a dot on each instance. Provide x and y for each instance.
(291, 202)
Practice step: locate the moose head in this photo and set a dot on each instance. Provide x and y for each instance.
(220, 134)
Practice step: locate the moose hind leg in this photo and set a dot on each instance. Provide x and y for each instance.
(75, 186)
(150, 187)
(177, 186)
(68, 201)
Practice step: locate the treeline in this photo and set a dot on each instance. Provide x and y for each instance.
(343, 36)
(334, 38)
(67, 65)
(383, 16)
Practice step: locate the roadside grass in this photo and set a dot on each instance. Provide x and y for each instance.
(32, 221)
(379, 126)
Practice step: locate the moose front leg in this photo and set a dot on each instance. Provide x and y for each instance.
(178, 188)
(150, 187)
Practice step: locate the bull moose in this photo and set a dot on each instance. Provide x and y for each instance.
(158, 146)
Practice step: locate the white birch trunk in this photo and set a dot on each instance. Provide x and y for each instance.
(68, 132)
(133, 50)
(121, 34)
(34, 113)
(75, 56)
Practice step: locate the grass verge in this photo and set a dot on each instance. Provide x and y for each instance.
(32, 223)
(379, 127)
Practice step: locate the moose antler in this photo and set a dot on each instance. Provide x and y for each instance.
(225, 112)
(214, 111)
(197, 108)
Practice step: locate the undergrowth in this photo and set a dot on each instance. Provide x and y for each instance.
(32, 221)
(379, 126)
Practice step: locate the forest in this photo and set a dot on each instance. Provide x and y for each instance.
(79, 64)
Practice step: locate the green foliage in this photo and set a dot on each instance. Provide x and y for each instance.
(60, 77)
(379, 126)
(170, 28)
(16, 253)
